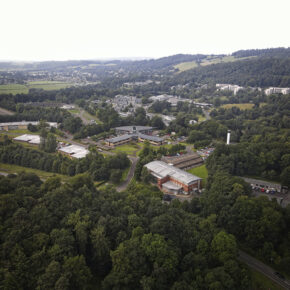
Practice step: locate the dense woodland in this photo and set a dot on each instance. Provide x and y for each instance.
(72, 236)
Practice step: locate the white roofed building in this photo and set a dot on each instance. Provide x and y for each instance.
(74, 151)
(171, 179)
(32, 139)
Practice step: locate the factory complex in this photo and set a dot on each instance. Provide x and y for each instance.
(173, 180)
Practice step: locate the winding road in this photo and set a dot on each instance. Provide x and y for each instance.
(130, 174)
(264, 269)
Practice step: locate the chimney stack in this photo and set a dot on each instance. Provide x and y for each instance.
(228, 137)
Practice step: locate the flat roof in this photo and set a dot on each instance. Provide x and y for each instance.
(75, 151)
(161, 169)
(130, 128)
(120, 138)
(33, 139)
(171, 185)
(151, 138)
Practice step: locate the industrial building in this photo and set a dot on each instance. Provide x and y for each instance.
(173, 180)
(133, 133)
(22, 125)
(185, 161)
(31, 139)
(74, 151)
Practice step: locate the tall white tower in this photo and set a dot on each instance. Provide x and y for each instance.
(228, 137)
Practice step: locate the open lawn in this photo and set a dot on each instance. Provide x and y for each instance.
(9, 168)
(199, 171)
(23, 89)
(207, 61)
(201, 118)
(13, 89)
(48, 85)
(186, 66)
(246, 106)
(129, 149)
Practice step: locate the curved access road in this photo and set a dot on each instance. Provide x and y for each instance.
(264, 269)
(130, 174)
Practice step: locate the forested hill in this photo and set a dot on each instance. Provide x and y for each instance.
(258, 71)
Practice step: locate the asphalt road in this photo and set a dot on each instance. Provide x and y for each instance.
(130, 175)
(264, 269)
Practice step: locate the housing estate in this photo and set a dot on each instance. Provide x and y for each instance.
(171, 179)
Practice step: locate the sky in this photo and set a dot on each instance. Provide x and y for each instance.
(97, 29)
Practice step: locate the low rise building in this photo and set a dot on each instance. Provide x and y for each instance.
(171, 179)
(185, 161)
(31, 139)
(74, 151)
(229, 87)
(22, 125)
(275, 90)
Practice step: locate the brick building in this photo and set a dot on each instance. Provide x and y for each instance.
(173, 180)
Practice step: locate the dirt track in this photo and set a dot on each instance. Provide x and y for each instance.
(5, 112)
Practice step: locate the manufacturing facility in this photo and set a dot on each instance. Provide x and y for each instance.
(134, 133)
(185, 161)
(74, 151)
(173, 180)
(31, 139)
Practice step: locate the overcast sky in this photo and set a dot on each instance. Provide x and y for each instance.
(93, 29)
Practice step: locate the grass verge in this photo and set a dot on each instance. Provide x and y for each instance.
(11, 168)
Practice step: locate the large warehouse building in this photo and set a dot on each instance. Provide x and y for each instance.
(173, 180)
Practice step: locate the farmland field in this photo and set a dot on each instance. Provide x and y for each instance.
(48, 85)
(207, 61)
(13, 89)
(246, 106)
(186, 66)
(23, 89)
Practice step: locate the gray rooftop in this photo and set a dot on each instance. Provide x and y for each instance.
(120, 138)
(161, 169)
(151, 138)
(131, 128)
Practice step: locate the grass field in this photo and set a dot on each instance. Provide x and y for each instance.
(13, 89)
(9, 168)
(246, 106)
(201, 118)
(124, 174)
(48, 85)
(186, 66)
(23, 89)
(129, 149)
(199, 171)
(260, 282)
(207, 61)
